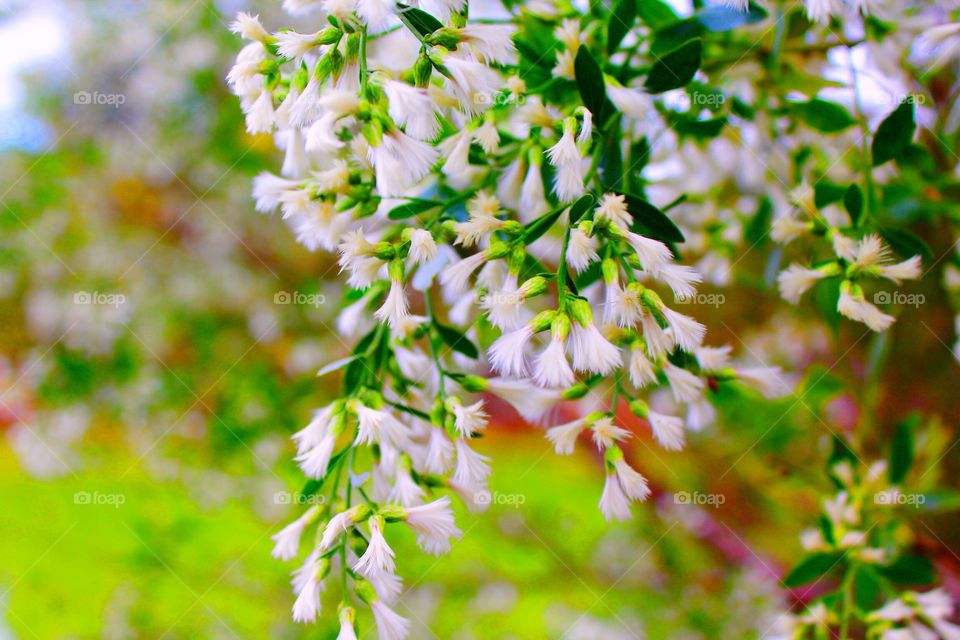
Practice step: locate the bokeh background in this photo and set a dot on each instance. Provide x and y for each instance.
(159, 340)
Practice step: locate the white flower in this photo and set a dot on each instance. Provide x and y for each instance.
(788, 227)
(532, 198)
(564, 436)
(653, 254)
(405, 491)
(935, 604)
(906, 270)
(530, 401)
(307, 107)
(377, 426)
(249, 28)
(872, 251)
(306, 608)
(844, 247)
(314, 461)
(633, 484)
(390, 624)
(687, 332)
(347, 614)
(493, 42)
(439, 452)
(551, 368)
(413, 109)
(416, 156)
(565, 156)
(606, 433)
(591, 351)
(856, 308)
(581, 250)
(681, 279)
(510, 182)
(473, 82)
(433, 522)
(614, 503)
(456, 149)
(294, 46)
(505, 307)
(301, 7)
(321, 135)
(767, 380)
(394, 308)
(468, 419)
(713, 358)
(487, 136)
(613, 207)
(686, 387)
(937, 46)
(387, 585)
(296, 164)
(821, 11)
(700, 414)
(379, 556)
(287, 541)
(377, 14)
(337, 525)
(311, 435)
(657, 341)
(796, 280)
(632, 102)
(668, 430)
(260, 118)
(507, 352)
(641, 369)
(456, 277)
(472, 469)
(423, 248)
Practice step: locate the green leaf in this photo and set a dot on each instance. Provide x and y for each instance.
(866, 588)
(621, 20)
(909, 570)
(655, 13)
(456, 340)
(812, 568)
(901, 451)
(593, 91)
(826, 193)
(841, 451)
(580, 207)
(675, 69)
(652, 222)
(853, 202)
(756, 230)
(824, 116)
(414, 206)
(418, 20)
(894, 134)
(540, 226)
(906, 243)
